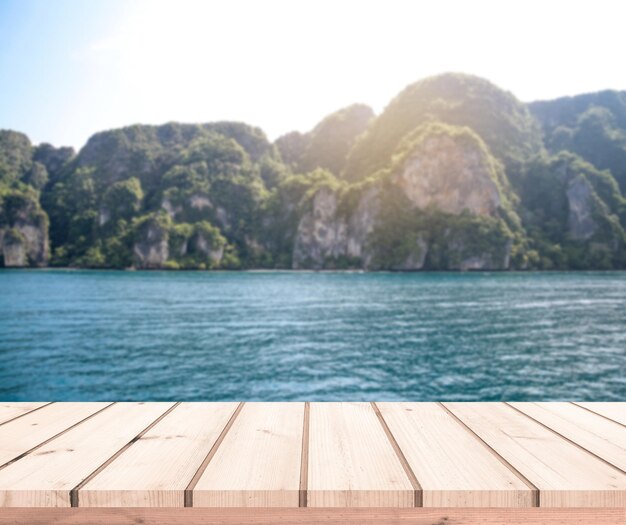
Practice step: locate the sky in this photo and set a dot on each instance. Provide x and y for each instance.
(70, 68)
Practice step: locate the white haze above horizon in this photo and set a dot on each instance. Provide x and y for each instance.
(71, 68)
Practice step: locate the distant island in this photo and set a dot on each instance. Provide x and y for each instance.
(455, 174)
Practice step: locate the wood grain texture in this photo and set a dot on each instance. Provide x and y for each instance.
(23, 434)
(45, 477)
(598, 435)
(252, 455)
(311, 516)
(156, 469)
(258, 462)
(351, 461)
(10, 411)
(614, 411)
(452, 466)
(566, 475)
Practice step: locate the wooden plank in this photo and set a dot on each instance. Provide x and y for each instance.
(258, 463)
(21, 435)
(453, 467)
(311, 516)
(566, 475)
(351, 460)
(614, 411)
(604, 438)
(45, 477)
(156, 469)
(10, 411)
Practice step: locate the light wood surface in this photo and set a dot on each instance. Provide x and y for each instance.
(452, 466)
(31, 430)
(614, 411)
(351, 461)
(46, 477)
(565, 474)
(10, 411)
(312, 516)
(258, 462)
(156, 469)
(598, 435)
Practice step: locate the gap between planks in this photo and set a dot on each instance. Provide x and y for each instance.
(565, 438)
(26, 413)
(529, 484)
(74, 491)
(24, 454)
(418, 492)
(304, 457)
(597, 413)
(188, 497)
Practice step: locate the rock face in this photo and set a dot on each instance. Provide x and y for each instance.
(151, 250)
(25, 245)
(324, 236)
(194, 203)
(171, 209)
(13, 248)
(162, 244)
(204, 245)
(446, 173)
(200, 202)
(321, 235)
(361, 224)
(451, 175)
(23, 233)
(580, 219)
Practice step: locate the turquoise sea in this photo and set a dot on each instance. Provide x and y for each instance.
(105, 335)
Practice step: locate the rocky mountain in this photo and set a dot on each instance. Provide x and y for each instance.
(24, 171)
(503, 122)
(455, 174)
(328, 144)
(442, 190)
(592, 126)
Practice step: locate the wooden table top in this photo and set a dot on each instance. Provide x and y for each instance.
(278, 455)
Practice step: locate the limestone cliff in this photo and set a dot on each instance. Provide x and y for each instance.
(580, 218)
(151, 248)
(443, 186)
(451, 174)
(23, 231)
(160, 243)
(193, 204)
(454, 174)
(205, 244)
(326, 236)
(321, 234)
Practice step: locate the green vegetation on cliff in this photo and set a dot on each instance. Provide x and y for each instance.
(130, 184)
(327, 145)
(433, 223)
(454, 174)
(24, 172)
(592, 126)
(503, 122)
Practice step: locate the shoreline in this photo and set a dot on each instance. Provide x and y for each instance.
(299, 271)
